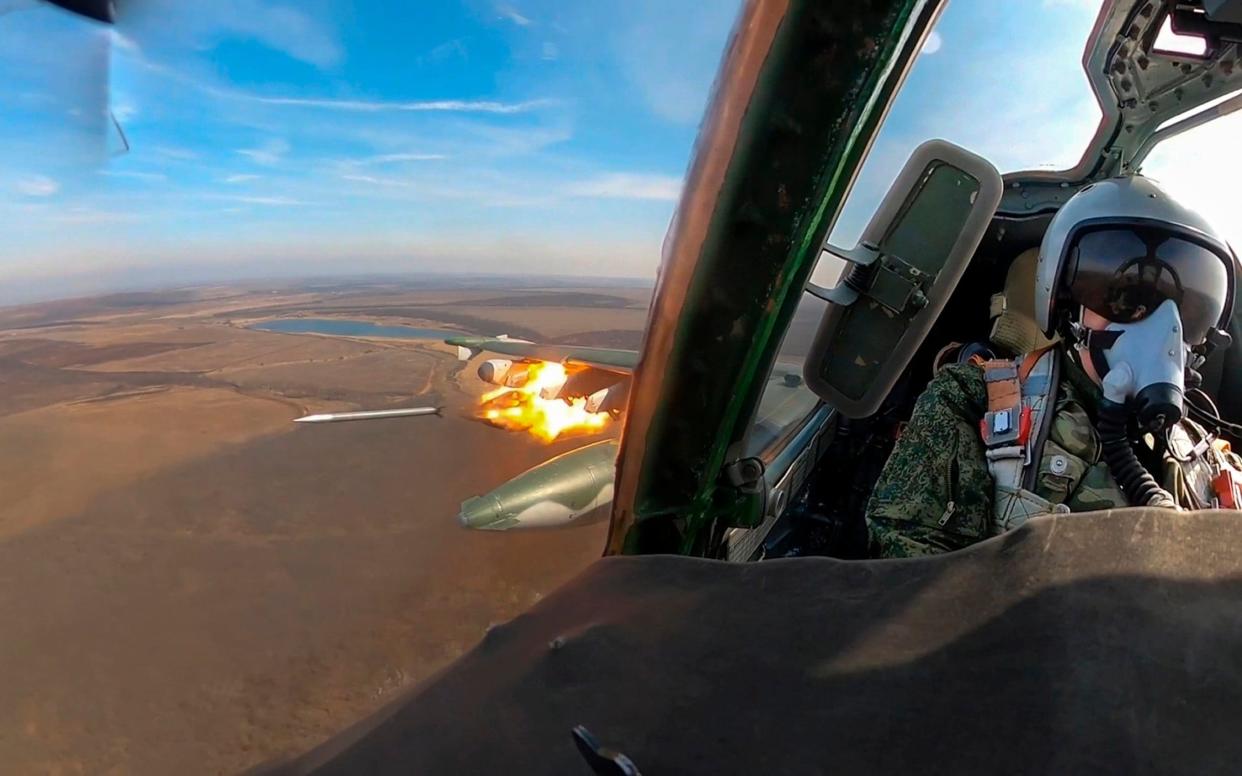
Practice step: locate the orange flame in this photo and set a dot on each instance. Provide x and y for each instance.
(524, 409)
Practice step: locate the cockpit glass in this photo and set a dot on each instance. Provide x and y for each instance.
(249, 494)
(1201, 169)
(1004, 80)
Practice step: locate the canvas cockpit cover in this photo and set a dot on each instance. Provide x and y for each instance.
(1078, 643)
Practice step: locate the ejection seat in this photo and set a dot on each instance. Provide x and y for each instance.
(1014, 330)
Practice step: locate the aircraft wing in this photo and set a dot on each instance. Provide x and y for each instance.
(608, 359)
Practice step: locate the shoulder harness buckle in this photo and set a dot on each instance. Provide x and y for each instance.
(1019, 394)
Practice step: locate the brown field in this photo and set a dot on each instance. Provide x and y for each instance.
(191, 583)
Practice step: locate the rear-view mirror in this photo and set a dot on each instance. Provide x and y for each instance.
(900, 275)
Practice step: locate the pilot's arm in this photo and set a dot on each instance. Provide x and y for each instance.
(935, 493)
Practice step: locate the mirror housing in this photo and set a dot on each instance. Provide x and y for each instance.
(900, 275)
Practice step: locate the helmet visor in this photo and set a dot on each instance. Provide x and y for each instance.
(1125, 273)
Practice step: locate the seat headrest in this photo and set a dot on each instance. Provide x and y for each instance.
(1013, 310)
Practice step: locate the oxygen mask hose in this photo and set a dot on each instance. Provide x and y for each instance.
(1140, 488)
(1136, 482)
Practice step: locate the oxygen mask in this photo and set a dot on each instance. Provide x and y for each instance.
(1143, 366)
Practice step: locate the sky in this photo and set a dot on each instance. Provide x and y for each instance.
(278, 138)
(273, 138)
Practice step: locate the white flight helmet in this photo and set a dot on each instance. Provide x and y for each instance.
(1122, 247)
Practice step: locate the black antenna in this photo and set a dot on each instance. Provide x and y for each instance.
(121, 132)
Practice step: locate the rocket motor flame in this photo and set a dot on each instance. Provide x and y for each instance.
(524, 408)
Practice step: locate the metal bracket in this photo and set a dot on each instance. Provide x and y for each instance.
(898, 286)
(895, 284)
(745, 474)
(842, 293)
(862, 255)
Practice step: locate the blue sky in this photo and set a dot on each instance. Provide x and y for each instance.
(377, 136)
(1004, 79)
(272, 137)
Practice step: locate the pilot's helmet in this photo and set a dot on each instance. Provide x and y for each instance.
(1120, 248)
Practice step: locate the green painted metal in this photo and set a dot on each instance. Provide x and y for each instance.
(611, 359)
(823, 91)
(554, 493)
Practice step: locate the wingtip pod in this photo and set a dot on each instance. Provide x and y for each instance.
(466, 516)
(469, 346)
(465, 347)
(554, 493)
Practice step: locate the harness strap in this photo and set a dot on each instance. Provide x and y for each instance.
(1041, 376)
(1029, 362)
(1019, 401)
(1002, 422)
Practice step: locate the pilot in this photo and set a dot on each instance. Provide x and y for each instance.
(1138, 289)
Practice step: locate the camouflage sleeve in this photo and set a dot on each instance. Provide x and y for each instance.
(935, 493)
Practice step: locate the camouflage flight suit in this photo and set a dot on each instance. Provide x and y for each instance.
(935, 493)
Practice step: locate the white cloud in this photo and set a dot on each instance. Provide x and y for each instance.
(241, 178)
(669, 52)
(499, 107)
(175, 152)
(124, 110)
(510, 13)
(269, 154)
(292, 32)
(396, 158)
(375, 180)
(190, 26)
(36, 186)
(124, 42)
(367, 106)
(514, 141)
(625, 185)
(135, 175)
(274, 201)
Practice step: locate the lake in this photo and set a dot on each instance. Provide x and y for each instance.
(344, 328)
